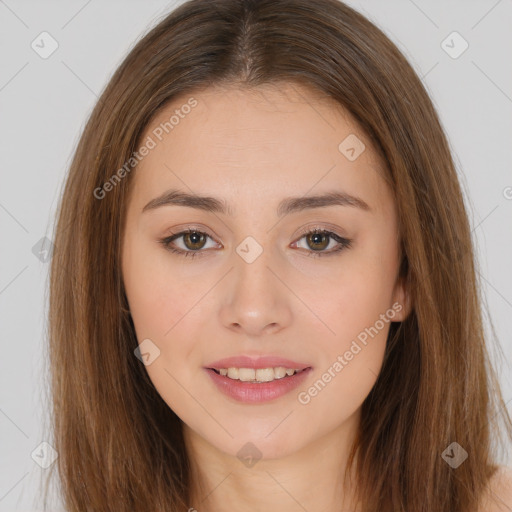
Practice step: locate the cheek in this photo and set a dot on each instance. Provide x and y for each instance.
(355, 309)
(162, 311)
(354, 341)
(351, 349)
(353, 299)
(157, 299)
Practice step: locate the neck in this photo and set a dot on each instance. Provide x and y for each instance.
(311, 478)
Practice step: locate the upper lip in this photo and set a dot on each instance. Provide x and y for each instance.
(256, 362)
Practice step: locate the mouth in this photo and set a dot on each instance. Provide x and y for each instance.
(257, 385)
(258, 375)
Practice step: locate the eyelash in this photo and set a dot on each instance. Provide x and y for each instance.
(345, 243)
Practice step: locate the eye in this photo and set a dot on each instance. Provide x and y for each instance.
(193, 241)
(319, 239)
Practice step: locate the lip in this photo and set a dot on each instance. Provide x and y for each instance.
(253, 392)
(256, 362)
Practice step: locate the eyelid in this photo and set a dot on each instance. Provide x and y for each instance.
(178, 232)
(303, 231)
(188, 227)
(320, 227)
(342, 241)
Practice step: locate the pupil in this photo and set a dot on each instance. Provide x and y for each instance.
(195, 238)
(317, 238)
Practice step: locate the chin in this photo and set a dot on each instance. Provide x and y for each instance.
(262, 446)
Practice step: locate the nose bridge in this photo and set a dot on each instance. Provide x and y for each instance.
(253, 254)
(257, 298)
(254, 280)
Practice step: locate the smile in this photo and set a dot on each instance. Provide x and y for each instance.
(257, 374)
(250, 385)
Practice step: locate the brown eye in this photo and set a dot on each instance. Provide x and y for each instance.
(317, 241)
(194, 240)
(188, 243)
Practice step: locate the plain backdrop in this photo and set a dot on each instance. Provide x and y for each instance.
(44, 103)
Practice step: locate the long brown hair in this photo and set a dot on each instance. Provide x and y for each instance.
(120, 446)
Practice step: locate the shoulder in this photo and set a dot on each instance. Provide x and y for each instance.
(498, 497)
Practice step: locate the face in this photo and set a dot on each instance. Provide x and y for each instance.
(314, 282)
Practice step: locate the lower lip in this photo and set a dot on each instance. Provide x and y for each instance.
(250, 392)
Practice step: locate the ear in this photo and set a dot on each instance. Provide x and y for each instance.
(401, 299)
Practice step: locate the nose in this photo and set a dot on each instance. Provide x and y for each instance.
(257, 300)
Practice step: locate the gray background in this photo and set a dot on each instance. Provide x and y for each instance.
(45, 102)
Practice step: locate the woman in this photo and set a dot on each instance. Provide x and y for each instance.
(263, 292)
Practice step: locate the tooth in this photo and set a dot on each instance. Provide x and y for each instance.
(265, 374)
(257, 375)
(246, 374)
(233, 373)
(279, 372)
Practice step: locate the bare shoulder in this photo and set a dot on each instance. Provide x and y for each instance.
(499, 494)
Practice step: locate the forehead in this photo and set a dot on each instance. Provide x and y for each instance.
(240, 142)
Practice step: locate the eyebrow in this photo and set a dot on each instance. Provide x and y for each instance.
(286, 206)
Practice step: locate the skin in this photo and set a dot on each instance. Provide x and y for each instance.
(252, 149)
(498, 496)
